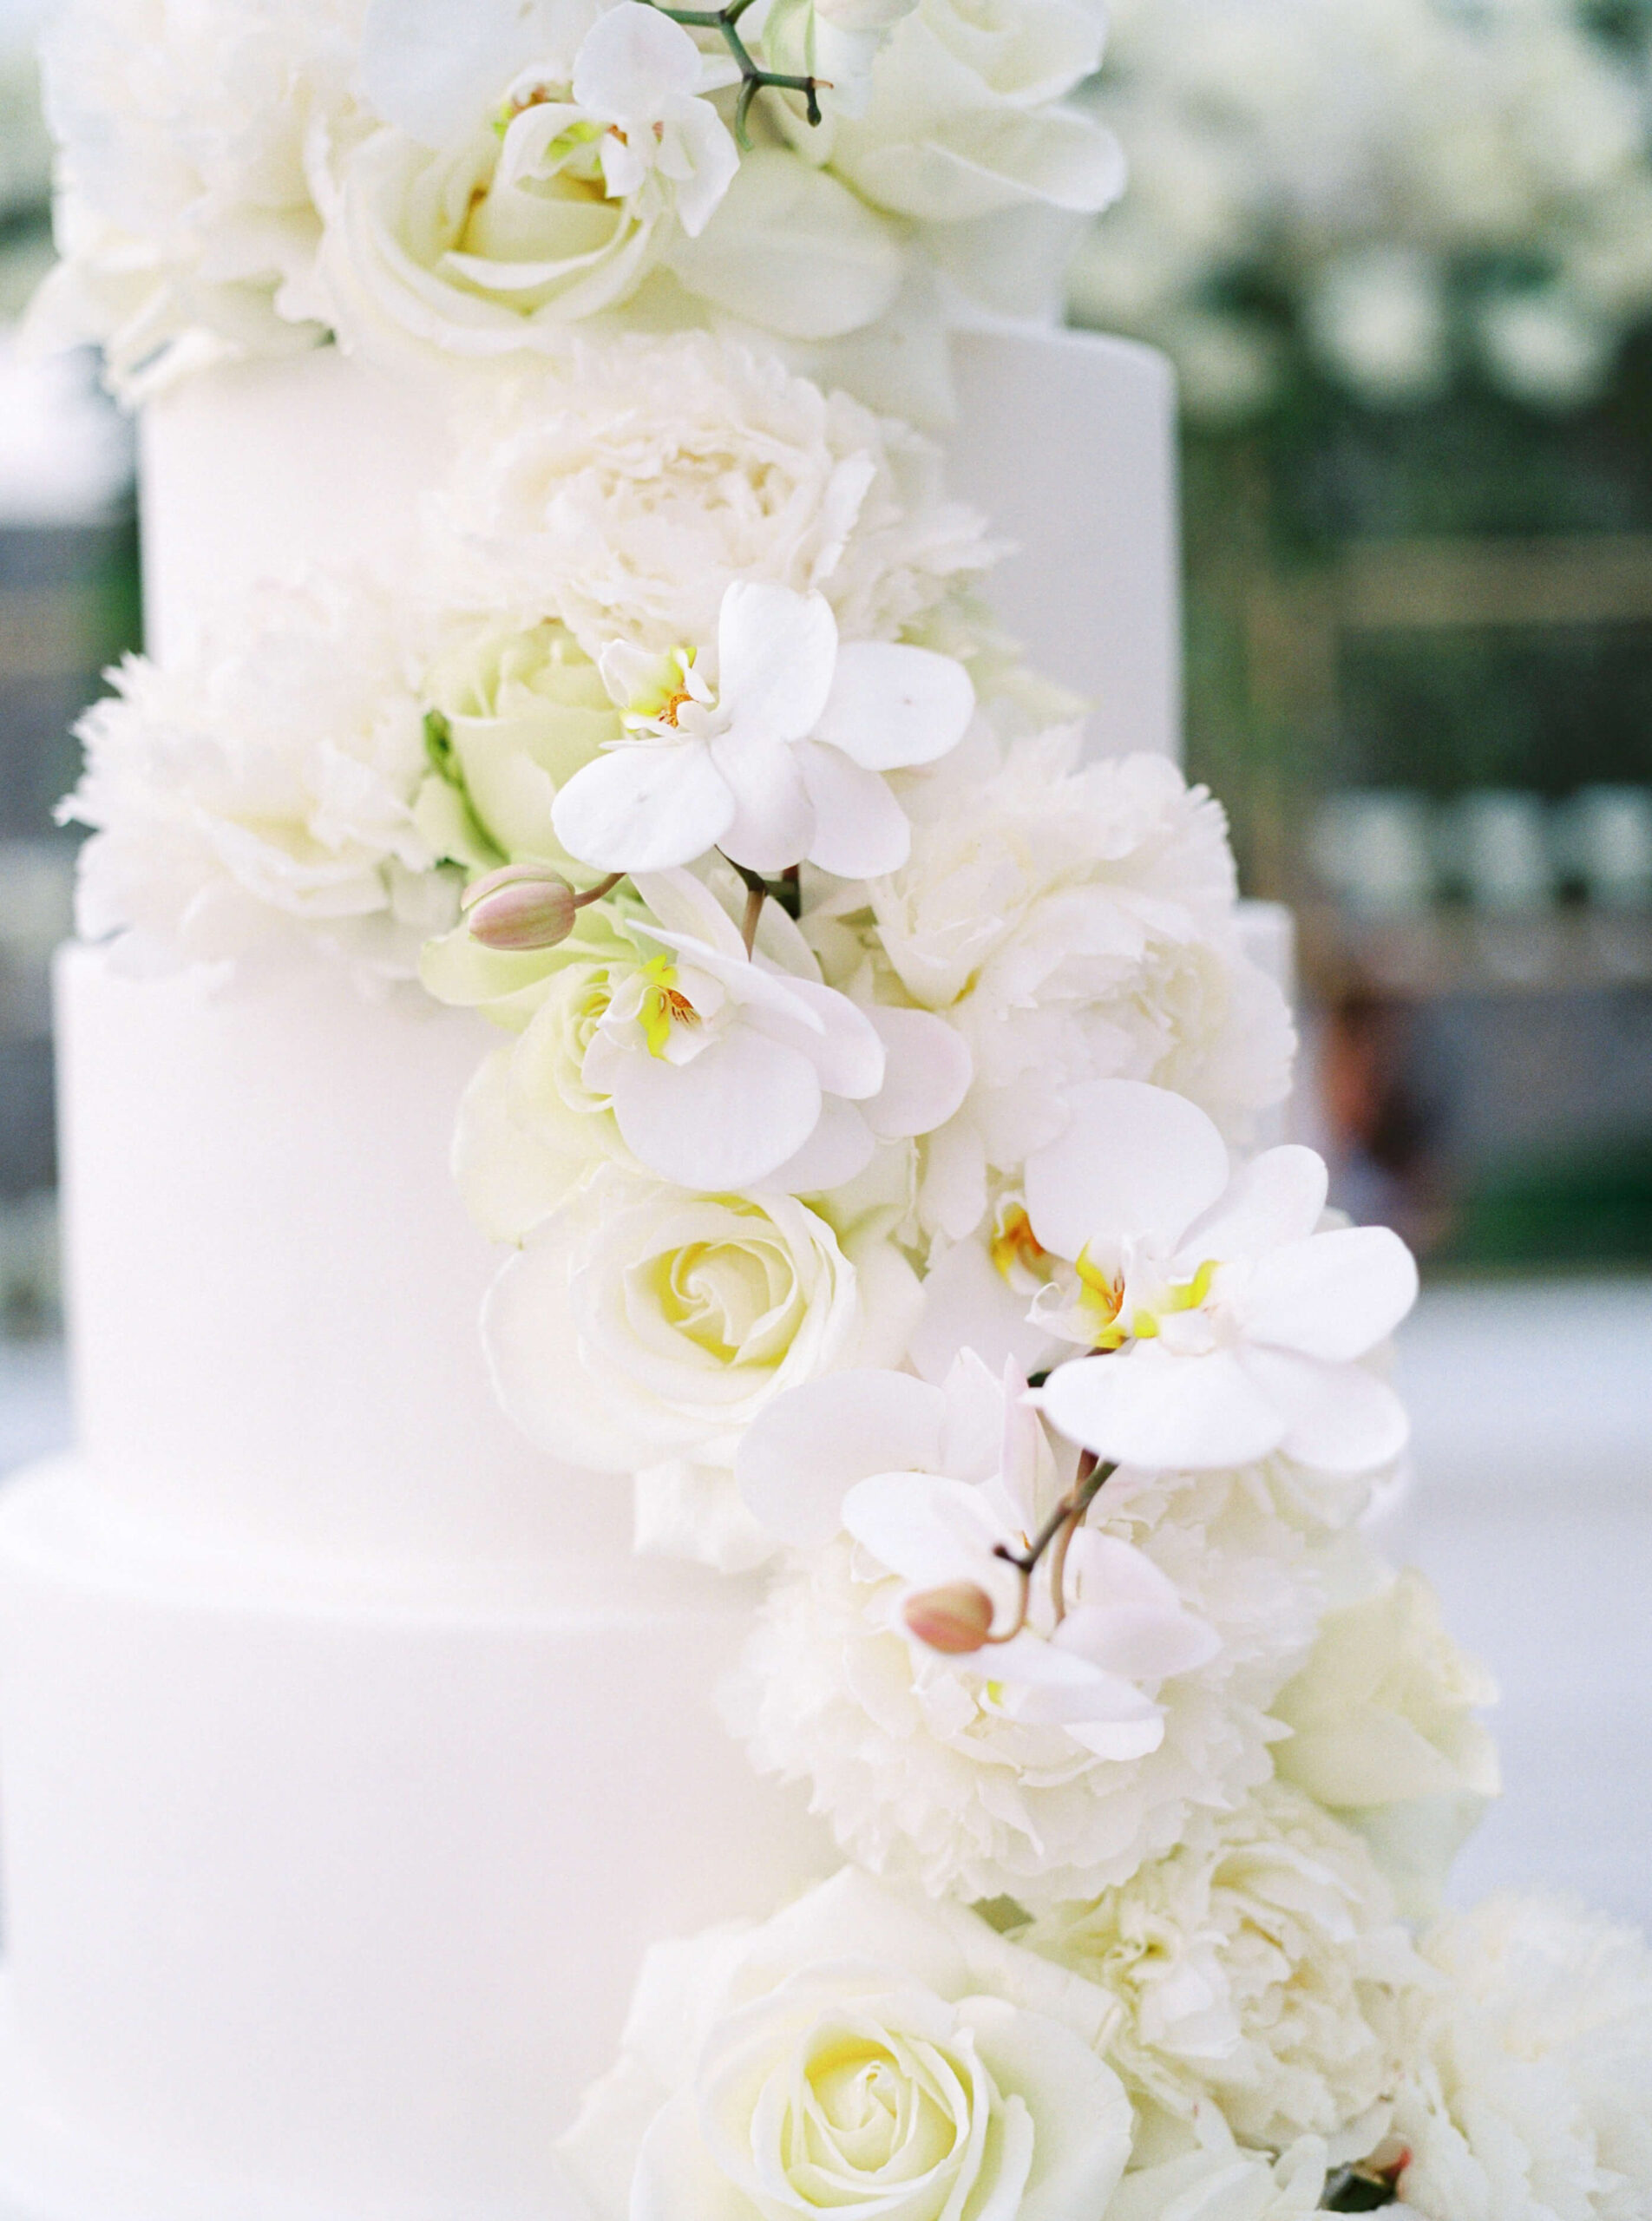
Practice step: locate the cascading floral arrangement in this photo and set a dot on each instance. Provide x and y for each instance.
(872, 1126)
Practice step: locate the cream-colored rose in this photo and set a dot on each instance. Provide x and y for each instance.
(641, 1322)
(1384, 1733)
(519, 712)
(864, 2053)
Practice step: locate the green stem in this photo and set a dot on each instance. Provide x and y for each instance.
(754, 78)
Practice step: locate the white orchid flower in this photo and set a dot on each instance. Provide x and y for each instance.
(778, 759)
(637, 105)
(929, 1482)
(734, 1071)
(1224, 1325)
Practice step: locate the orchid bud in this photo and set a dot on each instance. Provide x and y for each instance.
(956, 1618)
(521, 907)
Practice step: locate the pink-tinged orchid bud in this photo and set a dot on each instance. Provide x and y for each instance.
(520, 907)
(956, 1618)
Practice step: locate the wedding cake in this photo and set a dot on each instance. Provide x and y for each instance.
(714, 1563)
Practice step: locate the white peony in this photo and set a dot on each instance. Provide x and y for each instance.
(922, 1768)
(1383, 1732)
(627, 494)
(1259, 1965)
(1073, 922)
(1529, 2094)
(259, 795)
(1212, 2180)
(862, 2053)
(641, 1326)
(185, 216)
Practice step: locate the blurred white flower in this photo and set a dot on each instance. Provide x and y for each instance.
(1529, 2090)
(628, 492)
(1383, 1732)
(185, 216)
(1213, 2179)
(862, 2052)
(773, 752)
(1225, 1325)
(1259, 1966)
(259, 796)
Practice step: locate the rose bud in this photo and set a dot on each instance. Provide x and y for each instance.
(957, 1618)
(520, 907)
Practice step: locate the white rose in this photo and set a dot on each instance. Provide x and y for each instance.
(627, 494)
(1074, 922)
(1259, 1965)
(496, 240)
(862, 2051)
(185, 216)
(259, 794)
(922, 1766)
(640, 1323)
(1384, 1733)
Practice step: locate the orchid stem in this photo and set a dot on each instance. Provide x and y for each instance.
(1055, 1537)
(753, 76)
(595, 894)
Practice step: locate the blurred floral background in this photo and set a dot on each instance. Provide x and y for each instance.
(1401, 251)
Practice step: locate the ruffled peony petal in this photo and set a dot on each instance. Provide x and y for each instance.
(723, 1120)
(1148, 1406)
(798, 1458)
(1135, 1159)
(892, 705)
(861, 830)
(1334, 1296)
(644, 808)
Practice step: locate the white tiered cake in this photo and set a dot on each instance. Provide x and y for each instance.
(350, 1756)
(715, 1568)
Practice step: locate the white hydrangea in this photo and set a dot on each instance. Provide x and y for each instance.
(1529, 2096)
(1258, 1967)
(185, 216)
(257, 795)
(1075, 922)
(626, 495)
(921, 1771)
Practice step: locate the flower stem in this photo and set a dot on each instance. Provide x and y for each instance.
(595, 894)
(755, 899)
(1054, 1536)
(753, 76)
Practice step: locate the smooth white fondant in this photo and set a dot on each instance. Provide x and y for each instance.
(328, 1895)
(274, 1286)
(1066, 440)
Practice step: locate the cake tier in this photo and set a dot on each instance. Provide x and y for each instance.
(326, 1889)
(1065, 440)
(273, 1286)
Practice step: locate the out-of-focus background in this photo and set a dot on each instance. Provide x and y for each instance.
(1401, 253)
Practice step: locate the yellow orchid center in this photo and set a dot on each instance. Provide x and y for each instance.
(1185, 1295)
(663, 1005)
(1101, 1296)
(1016, 1247)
